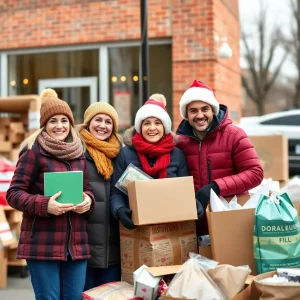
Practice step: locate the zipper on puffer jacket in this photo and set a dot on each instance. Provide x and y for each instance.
(33, 228)
(69, 235)
(208, 171)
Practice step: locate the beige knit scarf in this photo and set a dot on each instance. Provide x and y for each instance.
(101, 151)
(59, 149)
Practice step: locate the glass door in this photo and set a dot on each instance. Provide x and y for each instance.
(78, 92)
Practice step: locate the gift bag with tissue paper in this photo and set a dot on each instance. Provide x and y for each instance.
(276, 234)
(229, 279)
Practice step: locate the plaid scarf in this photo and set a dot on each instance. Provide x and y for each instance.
(60, 149)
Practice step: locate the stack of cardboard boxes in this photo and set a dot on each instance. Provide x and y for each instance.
(19, 117)
(8, 241)
(272, 151)
(164, 210)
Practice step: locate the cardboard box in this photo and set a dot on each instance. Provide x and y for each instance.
(297, 207)
(3, 273)
(146, 285)
(15, 229)
(24, 119)
(17, 104)
(162, 200)
(205, 251)
(5, 147)
(5, 121)
(16, 132)
(12, 255)
(156, 245)
(35, 105)
(16, 127)
(14, 154)
(272, 151)
(14, 216)
(114, 290)
(6, 237)
(231, 235)
(3, 134)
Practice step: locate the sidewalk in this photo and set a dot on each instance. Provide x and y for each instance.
(17, 287)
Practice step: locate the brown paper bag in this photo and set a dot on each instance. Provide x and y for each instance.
(267, 291)
(229, 279)
(192, 282)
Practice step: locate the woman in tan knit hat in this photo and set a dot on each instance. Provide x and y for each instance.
(53, 236)
(103, 144)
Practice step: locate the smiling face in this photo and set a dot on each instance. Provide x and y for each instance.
(152, 130)
(200, 116)
(58, 127)
(101, 126)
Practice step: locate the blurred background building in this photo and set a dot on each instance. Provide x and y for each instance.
(89, 50)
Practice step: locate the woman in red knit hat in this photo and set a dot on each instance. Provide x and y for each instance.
(150, 146)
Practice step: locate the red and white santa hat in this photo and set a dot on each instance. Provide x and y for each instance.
(153, 108)
(198, 91)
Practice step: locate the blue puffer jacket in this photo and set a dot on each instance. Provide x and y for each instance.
(127, 155)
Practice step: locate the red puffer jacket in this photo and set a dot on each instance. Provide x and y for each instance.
(44, 236)
(225, 156)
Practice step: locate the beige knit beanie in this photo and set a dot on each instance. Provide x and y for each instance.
(101, 108)
(51, 105)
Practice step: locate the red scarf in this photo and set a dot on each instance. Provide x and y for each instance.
(160, 150)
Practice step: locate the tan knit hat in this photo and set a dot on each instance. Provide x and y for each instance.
(101, 108)
(52, 105)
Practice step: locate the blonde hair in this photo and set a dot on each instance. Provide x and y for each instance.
(159, 98)
(29, 141)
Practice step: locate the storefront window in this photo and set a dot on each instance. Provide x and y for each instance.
(29, 71)
(124, 79)
(24, 71)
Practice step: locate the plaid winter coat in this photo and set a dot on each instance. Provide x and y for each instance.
(44, 236)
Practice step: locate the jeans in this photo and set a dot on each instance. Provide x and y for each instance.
(98, 276)
(57, 280)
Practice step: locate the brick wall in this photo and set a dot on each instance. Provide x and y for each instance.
(192, 24)
(195, 50)
(48, 23)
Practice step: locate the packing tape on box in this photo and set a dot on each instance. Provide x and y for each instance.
(113, 289)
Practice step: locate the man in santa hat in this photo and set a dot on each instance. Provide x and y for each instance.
(219, 154)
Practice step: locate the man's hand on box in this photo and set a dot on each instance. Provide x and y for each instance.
(124, 215)
(203, 194)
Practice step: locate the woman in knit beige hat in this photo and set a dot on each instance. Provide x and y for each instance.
(99, 132)
(53, 236)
